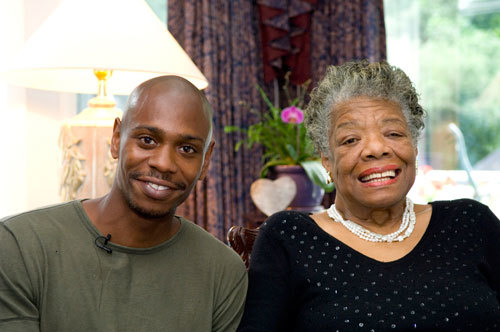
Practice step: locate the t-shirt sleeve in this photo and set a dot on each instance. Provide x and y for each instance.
(18, 310)
(269, 290)
(491, 227)
(231, 297)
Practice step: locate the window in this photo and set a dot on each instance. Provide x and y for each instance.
(451, 51)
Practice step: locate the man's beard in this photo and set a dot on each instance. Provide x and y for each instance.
(147, 214)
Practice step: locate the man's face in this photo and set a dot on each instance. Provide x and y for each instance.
(162, 151)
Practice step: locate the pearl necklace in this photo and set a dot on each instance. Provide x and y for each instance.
(407, 225)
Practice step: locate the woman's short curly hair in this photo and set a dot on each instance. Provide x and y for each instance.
(355, 79)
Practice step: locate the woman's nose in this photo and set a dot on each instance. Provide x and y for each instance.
(375, 147)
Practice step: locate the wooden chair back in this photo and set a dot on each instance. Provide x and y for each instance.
(241, 239)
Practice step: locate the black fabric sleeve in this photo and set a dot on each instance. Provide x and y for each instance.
(491, 226)
(267, 303)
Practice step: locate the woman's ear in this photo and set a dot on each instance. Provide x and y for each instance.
(325, 161)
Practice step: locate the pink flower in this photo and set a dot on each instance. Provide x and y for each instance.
(292, 114)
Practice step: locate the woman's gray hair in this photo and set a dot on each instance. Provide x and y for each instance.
(355, 79)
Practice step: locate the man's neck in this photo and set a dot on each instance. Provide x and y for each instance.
(112, 215)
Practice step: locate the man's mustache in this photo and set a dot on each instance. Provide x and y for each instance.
(159, 176)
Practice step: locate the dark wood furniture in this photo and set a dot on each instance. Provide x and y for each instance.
(241, 239)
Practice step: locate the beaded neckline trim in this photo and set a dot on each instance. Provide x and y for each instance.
(404, 231)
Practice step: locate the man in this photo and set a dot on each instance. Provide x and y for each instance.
(125, 262)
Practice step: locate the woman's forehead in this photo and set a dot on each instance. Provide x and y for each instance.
(362, 109)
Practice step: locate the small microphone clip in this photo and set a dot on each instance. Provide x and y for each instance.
(103, 245)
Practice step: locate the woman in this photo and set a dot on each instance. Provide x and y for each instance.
(374, 261)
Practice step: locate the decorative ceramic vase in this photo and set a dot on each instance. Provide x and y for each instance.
(309, 195)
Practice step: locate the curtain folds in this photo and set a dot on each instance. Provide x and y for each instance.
(223, 37)
(344, 30)
(286, 36)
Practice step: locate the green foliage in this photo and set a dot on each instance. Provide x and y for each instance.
(482, 136)
(459, 71)
(486, 21)
(283, 143)
(278, 138)
(317, 174)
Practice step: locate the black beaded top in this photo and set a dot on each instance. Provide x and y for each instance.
(303, 279)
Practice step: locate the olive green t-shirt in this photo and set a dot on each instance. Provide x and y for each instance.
(54, 278)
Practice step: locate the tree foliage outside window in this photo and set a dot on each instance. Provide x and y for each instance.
(458, 52)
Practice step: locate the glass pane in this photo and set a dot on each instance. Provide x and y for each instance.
(451, 51)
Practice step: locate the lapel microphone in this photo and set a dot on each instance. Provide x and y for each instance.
(102, 245)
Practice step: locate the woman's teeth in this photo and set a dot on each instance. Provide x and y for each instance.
(379, 176)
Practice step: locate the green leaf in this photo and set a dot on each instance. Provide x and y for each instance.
(265, 97)
(231, 129)
(269, 164)
(238, 145)
(317, 173)
(291, 151)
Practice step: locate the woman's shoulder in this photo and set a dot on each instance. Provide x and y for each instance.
(464, 211)
(285, 220)
(462, 204)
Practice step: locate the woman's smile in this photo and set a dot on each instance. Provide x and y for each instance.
(373, 154)
(380, 176)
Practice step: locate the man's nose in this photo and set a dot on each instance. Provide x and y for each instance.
(164, 159)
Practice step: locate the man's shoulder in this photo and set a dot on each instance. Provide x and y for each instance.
(203, 243)
(36, 231)
(201, 237)
(41, 216)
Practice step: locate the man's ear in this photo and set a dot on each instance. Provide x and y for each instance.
(206, 160)
(115, 139)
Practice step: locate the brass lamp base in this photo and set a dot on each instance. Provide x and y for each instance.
(88, 168)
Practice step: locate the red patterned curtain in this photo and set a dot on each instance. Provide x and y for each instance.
(345, 30)
(305, 36)
(286, 35)
(223, 37)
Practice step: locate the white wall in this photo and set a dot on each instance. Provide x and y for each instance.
(29, 119)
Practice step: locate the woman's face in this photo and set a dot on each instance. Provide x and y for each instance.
(373, 162)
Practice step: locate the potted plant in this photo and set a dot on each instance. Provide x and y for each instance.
(287, 148)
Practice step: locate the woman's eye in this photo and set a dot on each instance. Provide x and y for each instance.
(349, 141)
(393, 134)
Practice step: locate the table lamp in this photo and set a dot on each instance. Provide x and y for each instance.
(81, 47)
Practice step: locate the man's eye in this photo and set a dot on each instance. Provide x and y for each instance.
(187, 149)
(147, 140)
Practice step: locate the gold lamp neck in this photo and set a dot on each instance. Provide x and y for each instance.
(101, 110)
(103, 76)
(102, 100)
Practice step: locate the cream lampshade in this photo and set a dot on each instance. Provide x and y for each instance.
(124, 36)
(86, 46)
